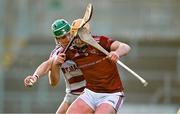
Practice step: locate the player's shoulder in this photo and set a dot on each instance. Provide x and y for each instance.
(56, 50)
(59, 48)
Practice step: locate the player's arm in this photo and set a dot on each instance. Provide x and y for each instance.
(54, 73)
(41, 70)
(118, 49)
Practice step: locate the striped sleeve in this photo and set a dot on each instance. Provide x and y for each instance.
(58, 49)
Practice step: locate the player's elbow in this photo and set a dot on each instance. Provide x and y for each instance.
(127, 48)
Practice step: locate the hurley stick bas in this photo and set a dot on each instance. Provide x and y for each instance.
(86, 37)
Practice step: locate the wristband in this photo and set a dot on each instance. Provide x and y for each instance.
(37, 76)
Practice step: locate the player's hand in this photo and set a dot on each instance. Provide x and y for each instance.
(60, 58)
(113, 56)
(29, 81)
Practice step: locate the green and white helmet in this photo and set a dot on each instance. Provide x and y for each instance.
(60, 27)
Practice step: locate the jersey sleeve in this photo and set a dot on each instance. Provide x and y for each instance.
(56, 51)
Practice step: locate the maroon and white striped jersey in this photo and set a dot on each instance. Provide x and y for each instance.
(75, 82)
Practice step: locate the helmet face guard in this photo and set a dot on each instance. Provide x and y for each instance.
(60, 28)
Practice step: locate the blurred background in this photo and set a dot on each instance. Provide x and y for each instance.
(150, 27)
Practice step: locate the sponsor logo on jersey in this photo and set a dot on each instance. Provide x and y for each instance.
(70, 68)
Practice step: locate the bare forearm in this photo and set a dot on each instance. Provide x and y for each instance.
(54, 74)
(43, 68)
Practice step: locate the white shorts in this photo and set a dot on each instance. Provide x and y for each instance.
(94, 99)
(69, 98)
